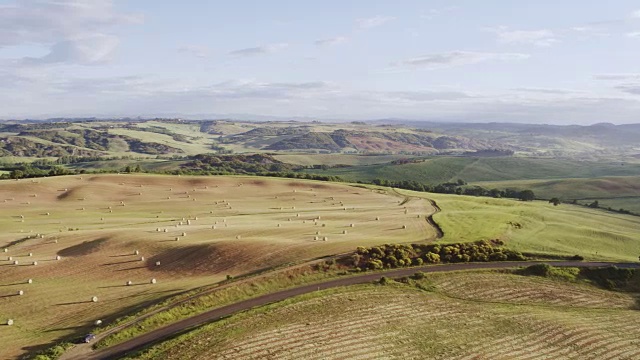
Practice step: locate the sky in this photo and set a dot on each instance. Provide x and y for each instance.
(552, 62)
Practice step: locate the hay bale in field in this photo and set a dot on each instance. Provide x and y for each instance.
(157, 263)
(238, 237)
(317, 232)
(6, 250)
(141, 258)
(289, 219)
(10, 258)
(188, 222)
(20, 292)
(35, 263)
(325, 239)
(224, 220)
(177, 238)
(344, 232)
(315, 238)
(10, 322)
(278, 225)
(55, 241)
(213, 227)
(30, 281)
(184, 234)
(195, 218)
(21, 216)
(352, 225)
(153, 281)
(404, 226)
(377, 218)
(30, 254)
(94, 299)
(418, 216)
(158, 229)
(48, 214)
(58, 257)
(136, 252)
(97, 322)
(406, 211)
(165, 230)
(297, 215)
(129, 283)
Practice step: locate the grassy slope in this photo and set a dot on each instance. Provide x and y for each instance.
(336, 159)
(617, 192)
(442, 169)
(467, 316)
(538, 226)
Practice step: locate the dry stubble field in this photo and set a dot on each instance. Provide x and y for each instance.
(224, 225)
(483, 315)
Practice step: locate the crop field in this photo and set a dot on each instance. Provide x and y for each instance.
(615, 191)
(538, 226)
(443, 169)
(460, 318)
(79, 237)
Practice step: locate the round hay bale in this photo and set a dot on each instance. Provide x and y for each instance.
(325, 239)
(352, 225)
(213, 227)
(165, 230)
(315, 238)
(129, 283)
(418, 216)
(404, 226)
(30, 254)
(157, 263)
(297, 215)
(158, 229)
(10, 322)
(184, 234)
(195, 218)
(35, 263)
(30, 281)
(238, 237)
(317, 232)
(55, 241)
(344, 232)
(15, 262)
(406, 211)
(177, 238)
(153, 281)
(6, 250)
(48, 214)
(289, 219)
(20, 292)
(279, 225)
(188, 222)
(141, 258)
(136, 252)
(58, 257)
(97, 322)
(9, 258)
(94, 299)
(377, 218)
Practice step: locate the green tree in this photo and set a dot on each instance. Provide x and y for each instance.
(526, 195)
(555, 201)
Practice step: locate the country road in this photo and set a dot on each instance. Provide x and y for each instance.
(182, 326)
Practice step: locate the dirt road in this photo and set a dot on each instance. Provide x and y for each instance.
(185, 325)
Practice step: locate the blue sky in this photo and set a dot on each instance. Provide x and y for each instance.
(514, 61)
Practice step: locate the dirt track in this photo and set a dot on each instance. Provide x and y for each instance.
(182, 326)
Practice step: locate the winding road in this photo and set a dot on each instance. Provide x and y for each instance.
(186, 325)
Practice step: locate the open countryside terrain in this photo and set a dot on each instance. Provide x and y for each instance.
(482, 315)
(538, 227)
(184, 232)
(617, 192)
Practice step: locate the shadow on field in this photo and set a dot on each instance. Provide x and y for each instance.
(8, 295)
(132, 268)
(18, 283)
(121, 262)
(82, 330)
(74, 303)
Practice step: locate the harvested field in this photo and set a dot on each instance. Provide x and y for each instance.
(400, 322)
(112, 229)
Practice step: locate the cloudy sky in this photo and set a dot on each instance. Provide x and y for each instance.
(569, 61)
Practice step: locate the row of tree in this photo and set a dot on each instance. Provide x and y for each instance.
(400, 255)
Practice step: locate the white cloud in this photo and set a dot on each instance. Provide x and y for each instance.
(627, 76)
(433, 13)
(457, 58)
(547, 91)
(195, 50)
(75, 31)
(633, 89)
(331, 41)
(91, 50)
(259, 50)
(636, 14)
(635, 34)
(368, 23)
(542, 37)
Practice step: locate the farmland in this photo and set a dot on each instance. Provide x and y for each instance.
(465, 315)
(111, 229)
(538, 227)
